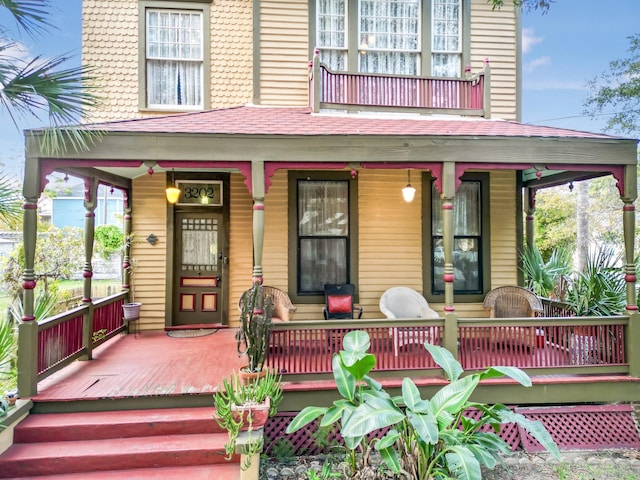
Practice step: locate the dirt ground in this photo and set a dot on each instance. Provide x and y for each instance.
(600, 465)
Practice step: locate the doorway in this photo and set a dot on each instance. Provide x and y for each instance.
(200, 268)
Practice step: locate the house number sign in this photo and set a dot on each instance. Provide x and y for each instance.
(194, 192)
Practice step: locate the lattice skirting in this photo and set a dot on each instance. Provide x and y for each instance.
(572, 428)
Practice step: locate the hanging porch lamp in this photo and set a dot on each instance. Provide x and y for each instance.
(408, 192)
(172, 192)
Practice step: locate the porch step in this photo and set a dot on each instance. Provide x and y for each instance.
(125, 444)
(229, 471)
(60, 427)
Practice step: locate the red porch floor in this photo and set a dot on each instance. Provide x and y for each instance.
(148, 364)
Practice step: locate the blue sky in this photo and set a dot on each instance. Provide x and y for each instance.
(562, 51)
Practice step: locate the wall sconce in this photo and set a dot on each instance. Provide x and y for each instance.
(172, 192)
(152, 239)
(408, 192)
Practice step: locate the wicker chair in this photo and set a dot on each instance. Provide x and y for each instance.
(514, 302)
(283, 309)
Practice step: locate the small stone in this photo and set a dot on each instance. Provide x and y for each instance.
(301, 469)
(287, 472)
(592, 461)
(537, 460)
(273, 473)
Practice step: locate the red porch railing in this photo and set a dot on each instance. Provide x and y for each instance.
(362, 91)
(70, 335)
(542, 345)
(307, 347)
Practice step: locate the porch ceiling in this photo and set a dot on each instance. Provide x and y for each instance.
(294, 134)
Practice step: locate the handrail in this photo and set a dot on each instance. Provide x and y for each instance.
(372, 91)
(67, 336)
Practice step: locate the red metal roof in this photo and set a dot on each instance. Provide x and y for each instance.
(300, 121)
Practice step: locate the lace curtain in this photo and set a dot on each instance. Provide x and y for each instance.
(174, 58)
(389, 36)
(323, 230)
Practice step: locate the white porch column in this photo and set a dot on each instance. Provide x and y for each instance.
(448, 194)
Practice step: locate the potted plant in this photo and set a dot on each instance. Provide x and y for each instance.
(246, 407)
(131, 309)
(255, 327)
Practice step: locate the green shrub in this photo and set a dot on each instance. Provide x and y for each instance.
(428, 438)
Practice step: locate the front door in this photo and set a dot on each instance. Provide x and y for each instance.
(199, 268)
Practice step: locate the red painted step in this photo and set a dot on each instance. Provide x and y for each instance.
(229, 471)
(32, 459)
(56, 427)
(135, 444)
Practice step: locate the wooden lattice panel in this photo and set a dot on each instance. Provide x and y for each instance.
(311, 440)
(584, 427)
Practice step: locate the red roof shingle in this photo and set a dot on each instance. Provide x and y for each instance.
(300, 121)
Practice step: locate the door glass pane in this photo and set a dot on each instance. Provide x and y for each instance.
(199, 244)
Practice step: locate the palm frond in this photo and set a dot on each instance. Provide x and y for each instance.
(31, 15)
(40, 87)
(10, 202)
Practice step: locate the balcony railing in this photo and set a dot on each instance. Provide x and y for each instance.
(368, 91)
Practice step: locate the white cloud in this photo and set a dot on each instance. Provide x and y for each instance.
(535, 63)
(551, 84)
(529, 39)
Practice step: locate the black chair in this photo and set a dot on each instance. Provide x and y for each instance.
(339, 302)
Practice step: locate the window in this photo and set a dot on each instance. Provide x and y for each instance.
(470, 243)
(175, 50)
(408, 37)
(322, 229)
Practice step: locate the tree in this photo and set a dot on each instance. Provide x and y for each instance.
(43, 87)
(542, 5)
(59, 254)
(616, 92)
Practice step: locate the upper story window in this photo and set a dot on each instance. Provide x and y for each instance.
(174, 59)
(408, 37)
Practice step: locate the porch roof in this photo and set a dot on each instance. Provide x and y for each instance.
(301, 121)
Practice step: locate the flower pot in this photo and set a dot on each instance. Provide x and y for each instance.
(131, 311)
(247, 377)
(254, 414)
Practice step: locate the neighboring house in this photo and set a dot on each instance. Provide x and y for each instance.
(292, 173)
(67, 207)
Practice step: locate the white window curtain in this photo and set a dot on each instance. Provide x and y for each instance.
(332, 33)
(389, 37)
(174, 58)
(446, 40)
(323, 233)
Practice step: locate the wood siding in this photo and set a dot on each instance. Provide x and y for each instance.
(150, 216)
(240, 243)
(111, 43)
(493, 37)
(284, 52)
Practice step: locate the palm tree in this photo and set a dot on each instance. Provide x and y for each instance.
(10, 208)
(43, 87)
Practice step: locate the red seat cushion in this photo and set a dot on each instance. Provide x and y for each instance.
(340, 303)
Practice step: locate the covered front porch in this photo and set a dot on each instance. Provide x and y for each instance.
(571, 360)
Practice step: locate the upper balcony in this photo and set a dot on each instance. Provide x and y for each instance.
(468, 96)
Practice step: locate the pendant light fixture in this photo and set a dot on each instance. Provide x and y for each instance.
(172, 192)
(408, 192)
